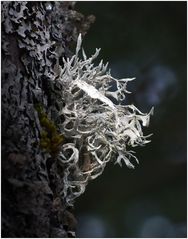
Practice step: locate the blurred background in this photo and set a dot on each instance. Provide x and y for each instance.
(146, 40)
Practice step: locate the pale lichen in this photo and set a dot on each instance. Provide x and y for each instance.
(94, 123)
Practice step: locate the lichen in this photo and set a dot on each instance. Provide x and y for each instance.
(94, 123)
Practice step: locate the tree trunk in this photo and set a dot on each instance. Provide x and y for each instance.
(35, 37)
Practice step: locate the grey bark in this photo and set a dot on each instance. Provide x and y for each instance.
(35, 37)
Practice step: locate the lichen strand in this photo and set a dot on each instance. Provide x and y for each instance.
(94, 123)
(50, 139)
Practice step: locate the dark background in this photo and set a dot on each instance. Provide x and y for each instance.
(146, 40)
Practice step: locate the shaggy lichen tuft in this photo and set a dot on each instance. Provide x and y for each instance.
(95, 124)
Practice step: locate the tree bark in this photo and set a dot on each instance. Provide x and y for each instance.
(35, 37)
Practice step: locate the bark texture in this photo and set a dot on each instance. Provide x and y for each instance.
(35, 37)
